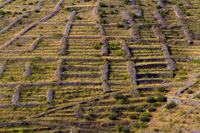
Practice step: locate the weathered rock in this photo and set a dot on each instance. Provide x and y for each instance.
(132, 72)
(2, 68)
(59, 69)
(16, 95)
(106, 88)
(27, 72)
(63, 46)
(161, 20)
(158, 33)
(50, 95)
(177, 101)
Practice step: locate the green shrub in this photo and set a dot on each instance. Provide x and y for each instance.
(161, 89)
(121, 101)
(163, 13)
(126, 130)
(97, 46)
(132, 116)
(112, 117)
(111, 12)
(170, 105)
(77, 18)
(118, 25)
(151, 109)
(158, 7)
(190, 91)
(155, 104)
(138, 125)
(125, 21)
(126, 2)
(146, 114)
(102, 5)
(198, 96)
(118, 96)
(133, 15)
(161, 99)
(138, 109)
(198, 119)
(24, 9)
(148, 25)
(118, 128)
(103, 21)
(87, 117)
(156, 130)
(144, 119)
(37, 11)
(2, 12)
(151, 99)
(180, 4)
(114, 110)
(101, 15)
(187, 14)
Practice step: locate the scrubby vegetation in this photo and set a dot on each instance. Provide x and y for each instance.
(99, 66)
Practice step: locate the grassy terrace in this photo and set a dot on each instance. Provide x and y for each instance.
(97, 77)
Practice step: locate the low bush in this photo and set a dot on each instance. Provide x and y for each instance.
(138, 125)
(111, 12)
(119, 128)
(158, 7)
(146, 114)
(161, 99)
(126, 2)
(118, 25)
(97, 46)
(151, 109)
(125, 21)
(161, 89)
(189, 91)
(170, 105)
(118, 96)
(87, 117)
(138, 109)
(151, 100)
(144, 119)
(132, 116)
(112, 117)
(126, 130)
(103, 21)
(187, 14)
(198, 96)
(155, 104)
(114, 110)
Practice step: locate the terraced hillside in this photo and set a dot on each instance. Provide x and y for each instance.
(99, 66)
